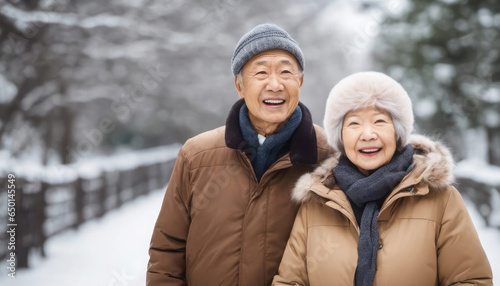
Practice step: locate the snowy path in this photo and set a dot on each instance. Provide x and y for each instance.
(113, 251)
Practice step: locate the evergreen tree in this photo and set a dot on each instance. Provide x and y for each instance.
(446, 55)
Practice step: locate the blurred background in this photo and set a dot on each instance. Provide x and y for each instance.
(96, 98)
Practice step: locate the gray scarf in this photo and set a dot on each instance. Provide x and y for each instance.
(366, 194)
(275, 146)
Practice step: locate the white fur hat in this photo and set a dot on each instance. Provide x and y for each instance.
(365, 89)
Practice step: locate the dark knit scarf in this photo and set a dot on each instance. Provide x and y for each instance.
(263, 156)
(366, 194)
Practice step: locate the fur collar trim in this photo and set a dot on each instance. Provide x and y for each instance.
(433, 166)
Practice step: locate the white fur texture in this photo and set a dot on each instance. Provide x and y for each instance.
(366, 89)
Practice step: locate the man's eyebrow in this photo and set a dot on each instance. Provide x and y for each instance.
(261, 62)
(284, 60)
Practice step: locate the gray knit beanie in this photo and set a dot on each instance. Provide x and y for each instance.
(263, 38)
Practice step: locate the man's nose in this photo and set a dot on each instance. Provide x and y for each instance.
(274, 83)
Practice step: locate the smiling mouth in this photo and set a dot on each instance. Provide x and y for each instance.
(370, 150)
(274, 101)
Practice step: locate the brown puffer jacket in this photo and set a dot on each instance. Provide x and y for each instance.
(426, 234)
(218, 225)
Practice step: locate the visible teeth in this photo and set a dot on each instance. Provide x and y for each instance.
(370, 150)
(274, 101)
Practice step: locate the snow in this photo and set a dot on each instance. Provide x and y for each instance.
(444, 73)
(111, 251)
(132, 3)
(480, 88)
(492, 95)
(490, 239)
(85, 167)
(481, 172)
(435, 12)
(476, 149)
(68, 19)
(494, 217)
(7, 90)
(478, 171)
(485, 17)
(358, 28)
(425, 108)
(135, 50)
(491, 118)
(114, 250)
(449, 1)
(45, 90)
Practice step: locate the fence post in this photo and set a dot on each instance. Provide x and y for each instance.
(32, 204)
(40, 213)
(30, 220)
(154, 173)
(119, 200)
(79, 203)
(144, 180)
(102, 195)
(112, 181)
(22, 247)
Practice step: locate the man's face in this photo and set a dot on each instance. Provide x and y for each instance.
(270, 85)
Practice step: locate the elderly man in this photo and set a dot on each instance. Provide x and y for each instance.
(227, 212)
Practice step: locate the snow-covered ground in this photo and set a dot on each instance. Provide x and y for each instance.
(111, 251)
(490, 238)
(114, 250)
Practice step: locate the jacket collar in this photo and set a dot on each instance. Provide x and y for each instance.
(303, 144)
(433, 166)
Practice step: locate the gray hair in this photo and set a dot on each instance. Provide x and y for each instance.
(338, 143)
(240, 76)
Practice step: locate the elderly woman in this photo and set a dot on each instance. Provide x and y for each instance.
(384, 211)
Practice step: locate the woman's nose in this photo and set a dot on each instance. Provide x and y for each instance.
(368, 133)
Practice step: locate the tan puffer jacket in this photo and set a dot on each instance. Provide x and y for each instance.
(218, 225)
(426, 234)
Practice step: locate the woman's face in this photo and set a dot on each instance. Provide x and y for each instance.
(369, 138)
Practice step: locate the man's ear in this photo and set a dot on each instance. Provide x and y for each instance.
(238, 86)
(301, 80)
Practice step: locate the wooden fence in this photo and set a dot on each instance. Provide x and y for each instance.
(482, 195)
(45, 209)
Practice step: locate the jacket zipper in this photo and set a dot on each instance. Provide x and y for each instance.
(249, 164)
(255, 192)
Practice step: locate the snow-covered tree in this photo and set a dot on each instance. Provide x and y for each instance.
(446, 54)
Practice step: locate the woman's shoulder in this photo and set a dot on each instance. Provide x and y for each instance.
(321, 177)
(433, 162)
